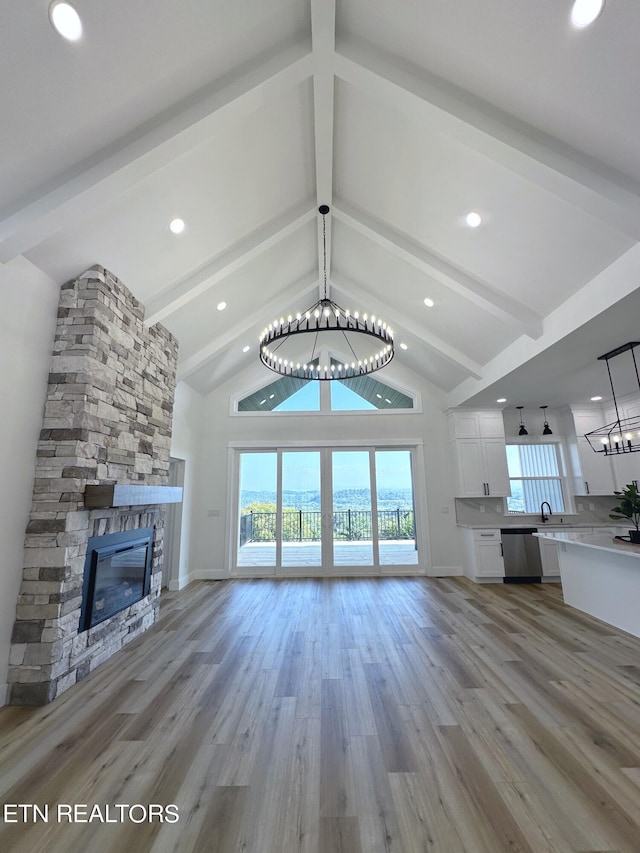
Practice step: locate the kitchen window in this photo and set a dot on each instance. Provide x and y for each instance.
(535, 475)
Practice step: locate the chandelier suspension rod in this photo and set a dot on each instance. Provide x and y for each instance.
(324, 253)
(613, 393)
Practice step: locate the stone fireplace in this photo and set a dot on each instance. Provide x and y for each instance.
(107, 420)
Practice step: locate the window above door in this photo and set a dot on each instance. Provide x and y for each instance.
(362, 394)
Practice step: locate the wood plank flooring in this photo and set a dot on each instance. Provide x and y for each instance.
(360, 715)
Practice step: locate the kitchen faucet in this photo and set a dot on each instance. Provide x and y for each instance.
(542, 515)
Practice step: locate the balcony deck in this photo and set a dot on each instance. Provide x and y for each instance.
(308, 554)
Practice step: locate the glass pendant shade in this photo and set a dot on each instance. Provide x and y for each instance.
(547, 428)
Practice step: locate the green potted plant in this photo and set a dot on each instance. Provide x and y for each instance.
(630, 509)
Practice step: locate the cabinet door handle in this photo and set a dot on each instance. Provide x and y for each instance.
(501, 550)
(586, 486)
(488, 490)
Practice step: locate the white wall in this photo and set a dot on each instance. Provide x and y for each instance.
(27, 326)
(185, 444)
(220, 428)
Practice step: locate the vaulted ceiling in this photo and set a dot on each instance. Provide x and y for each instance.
(241, 118)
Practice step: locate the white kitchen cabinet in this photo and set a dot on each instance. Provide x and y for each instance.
(483, 559)
(549, 558)
(549, 549)
(470, 424)
(596, 471)
(481, 467)
(593, 472)
(479, 453)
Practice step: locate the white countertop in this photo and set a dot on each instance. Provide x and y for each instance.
(600, 541)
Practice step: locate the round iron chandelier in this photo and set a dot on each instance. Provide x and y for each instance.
(297, 346)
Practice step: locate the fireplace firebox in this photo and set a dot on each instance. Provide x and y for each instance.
(117, 574)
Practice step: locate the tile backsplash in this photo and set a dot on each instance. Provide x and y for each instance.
(590, 509)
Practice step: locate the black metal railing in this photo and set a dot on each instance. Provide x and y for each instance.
(305, 525)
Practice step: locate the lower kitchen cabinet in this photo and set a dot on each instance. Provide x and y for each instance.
(549, 558)
(483, 561)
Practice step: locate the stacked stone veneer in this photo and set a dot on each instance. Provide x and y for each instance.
(107, 419)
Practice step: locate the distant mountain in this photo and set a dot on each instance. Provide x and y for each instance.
(345, 499)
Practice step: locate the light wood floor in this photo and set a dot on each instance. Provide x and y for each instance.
(345, 715)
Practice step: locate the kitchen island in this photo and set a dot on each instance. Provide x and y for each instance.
(600, 576)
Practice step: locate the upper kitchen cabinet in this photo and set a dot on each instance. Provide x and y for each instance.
(593, 472)
(467, 424)
(479, 452)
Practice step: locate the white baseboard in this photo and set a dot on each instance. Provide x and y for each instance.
(209, 575)
(197, 575)
(446, 572)
(259, 572)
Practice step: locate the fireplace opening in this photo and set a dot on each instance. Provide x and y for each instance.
(117, 574)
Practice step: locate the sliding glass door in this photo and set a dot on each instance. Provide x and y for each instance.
(325, 511)
(301, 509)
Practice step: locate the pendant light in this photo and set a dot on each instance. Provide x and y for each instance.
(292, 347)
(547, 428)
(623, 434)
(523, 429)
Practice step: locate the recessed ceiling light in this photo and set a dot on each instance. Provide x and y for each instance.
(65, 20)
(271, 396)
(403, 346)
(501, 400)
(595, 399)
(585, 12)
(246, 349)
(473, 219)
(221, 306)
(429, 302)
(176, 226)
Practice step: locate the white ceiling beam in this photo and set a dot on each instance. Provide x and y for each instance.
(286, 297)
(351, 290)
(228, 262)
(323, 39)
(613, 284)
(146, 149)
(581, 180)
(498, 304)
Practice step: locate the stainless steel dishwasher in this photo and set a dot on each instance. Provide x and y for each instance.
(521, 553)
